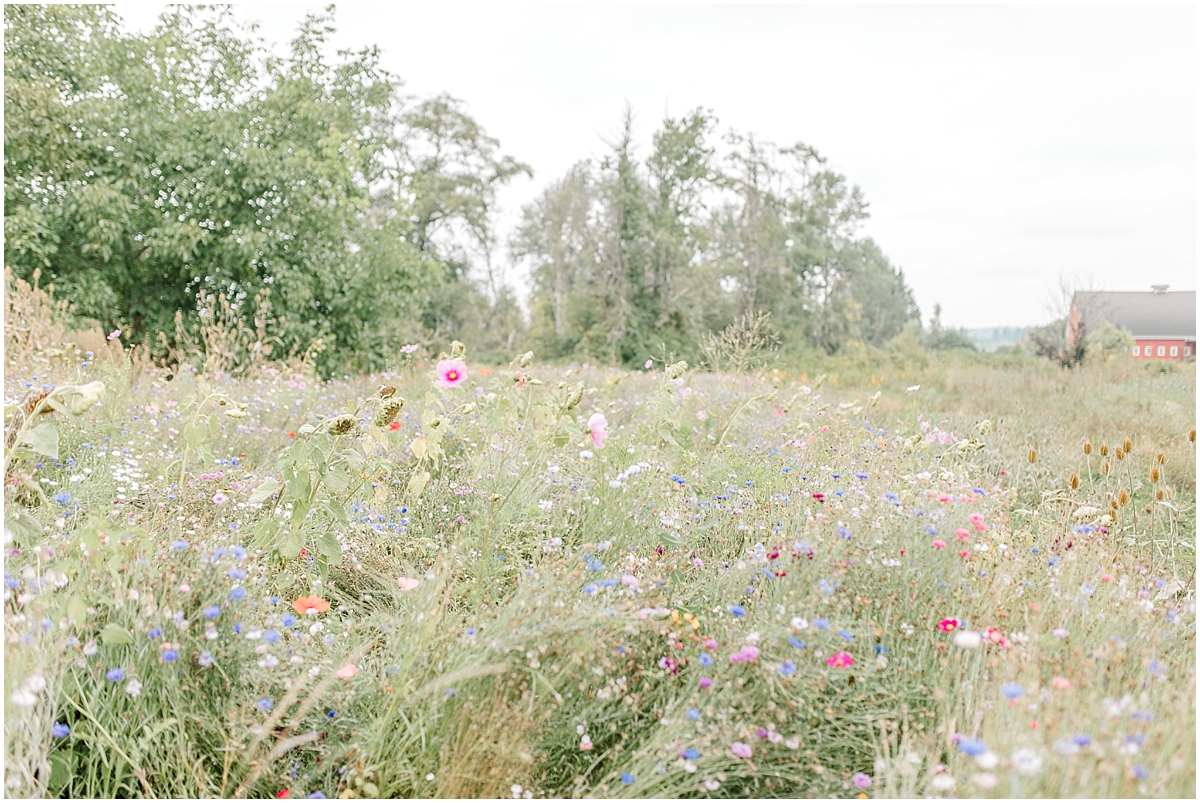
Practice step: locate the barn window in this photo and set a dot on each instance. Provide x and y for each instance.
(1137, 351)
(1174, 351)
(1162, 351)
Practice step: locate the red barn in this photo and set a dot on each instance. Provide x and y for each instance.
(1163, 324)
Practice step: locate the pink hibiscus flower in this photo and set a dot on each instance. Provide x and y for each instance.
(451, 373)
(598, 426)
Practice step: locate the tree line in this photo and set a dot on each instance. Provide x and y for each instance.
(143, 170)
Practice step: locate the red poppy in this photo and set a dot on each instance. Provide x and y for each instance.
(310, 604)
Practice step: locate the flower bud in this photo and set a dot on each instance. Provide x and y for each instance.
(574, 396)
(457, 350)
(676, 370)
(342, 425)
(525, 359)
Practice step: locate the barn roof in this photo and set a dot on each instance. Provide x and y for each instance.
(1150, 314)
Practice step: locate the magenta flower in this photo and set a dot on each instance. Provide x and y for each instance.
(598, 426)
(451, 373)
(840, 659)
(862, 780)
(748, 653)
(705, 683)
(219, 498)
(741, 749)
(977, 522)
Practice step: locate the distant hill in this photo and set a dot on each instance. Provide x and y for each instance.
(993, 338)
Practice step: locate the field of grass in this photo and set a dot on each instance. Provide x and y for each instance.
(763, 586)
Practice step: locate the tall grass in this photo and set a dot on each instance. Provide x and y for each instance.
(560, 608)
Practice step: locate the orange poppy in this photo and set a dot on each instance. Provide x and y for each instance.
(310, 604)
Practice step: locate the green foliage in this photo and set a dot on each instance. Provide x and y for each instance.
(939, 338)
(1107, 342)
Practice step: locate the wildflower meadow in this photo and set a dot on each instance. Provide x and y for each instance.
(452, 579)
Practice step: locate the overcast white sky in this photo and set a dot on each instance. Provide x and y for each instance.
(1000, 147)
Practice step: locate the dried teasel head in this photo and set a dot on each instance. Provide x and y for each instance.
(1120, 453)
(1087, 447)
(1160, 494)
(1074, 481)
(1155, 474)
(1105, 468)
(1127, 445)
(1112, 503)
(342, 425)
(387, 412)
(1032, 456)
(1160, 458)
(1103, 449)
(386, 391)
(1122, 497)
(1192, 435)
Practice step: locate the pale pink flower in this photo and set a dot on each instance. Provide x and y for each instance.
(1061, 683)
(348, 671)
(451, 373)
(598, 426)
(977, 521)
(219, 498)
(741, 749)
(408, 583)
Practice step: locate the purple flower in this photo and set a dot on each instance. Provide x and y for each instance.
(59, 731)
(861, 780)
(170, 655)
(115, 674)
(211, 612)
(237, 592)
(264, 704)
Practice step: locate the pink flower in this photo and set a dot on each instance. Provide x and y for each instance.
(939, 544)
(629, 580)
(840, 659)
(598, 426)
(748, 653)
(219, 498)
(962, 534)
(966, 553)
(977, 521)
(705, 683)
(451, 373)
(710, 643)
(585, 743)
(348, 671)
(947, 625)
(1061, 683)
(408, 583)
(741, 749)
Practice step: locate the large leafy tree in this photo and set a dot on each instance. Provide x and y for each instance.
(140, 170)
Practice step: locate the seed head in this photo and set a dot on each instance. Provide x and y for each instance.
(342, 425)
(1033, 455)
(1192, 435)
(1087, 447)
(1155, 476)
(457, 350)
(1122, 497)
(1103, 449)
(1120, 453)
(1074, 481)
(33, 401)
(386, 391)
(1127, 446)
(1160, 494)
(387, 412)
(574, 396)
(525, 359)
(1105, 468)
(1160, 458)
(1113, 504)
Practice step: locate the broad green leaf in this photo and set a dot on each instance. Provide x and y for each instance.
(327, 545)
(285, 580)
(22, 525)
(335, 509)
(77, 611)
(417, 483)
(670, 539)
(418, 448)
(293, 542)
(337, 479)
(43, 439)
(262, 493)
(115, 635)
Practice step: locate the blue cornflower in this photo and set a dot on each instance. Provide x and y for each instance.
(821, 624)
(205, 658)
(737, 610)
(239, 552)
(626, 778)
(237, 592)
(170, 655)
(862, 475)
(846, 634)
(844, 533)
(693, 713)
(264, 704)
(1012, 690)
(1140, 772)
(316, 796)
(115, 674)
(211, 612)
(795, 642)
(63, 498)
(155, 633)
(59, 731)
(787, 668)
(237, 574)
(595, 565)
(271, 636)
(179, 545)
(972, 747)
(705, 659)
(691, 754)
(1081, 739)
(678, 479)
(287, 620)
(590, 588)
